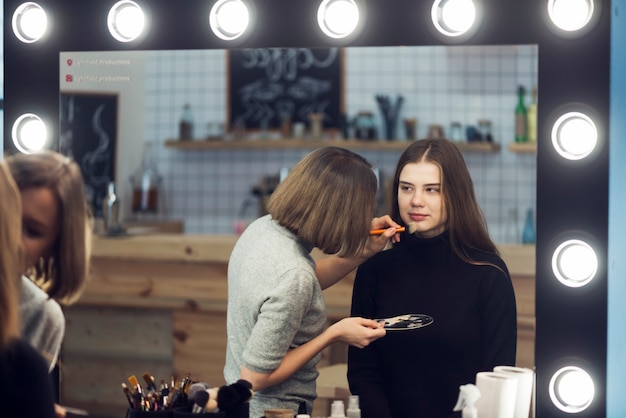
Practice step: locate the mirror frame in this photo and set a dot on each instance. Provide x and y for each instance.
(572, 197)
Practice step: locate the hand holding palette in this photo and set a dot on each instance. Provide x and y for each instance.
(406, 322)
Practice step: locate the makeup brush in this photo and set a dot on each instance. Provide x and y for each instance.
(411, 229)
(199, 402)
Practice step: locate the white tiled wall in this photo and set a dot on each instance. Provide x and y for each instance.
(439, 85)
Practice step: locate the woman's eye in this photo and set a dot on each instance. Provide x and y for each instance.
(30, 232)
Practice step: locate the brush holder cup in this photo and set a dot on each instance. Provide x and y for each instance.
(136, 413)
(185, 411)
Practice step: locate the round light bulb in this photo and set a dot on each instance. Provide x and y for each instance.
(453, 17)
(574, 263)
(570, 15)
(126, 21)
(29, 133)
(229, 19)
(338, 18)
(574, 135)
(29, 22)
(571, 389)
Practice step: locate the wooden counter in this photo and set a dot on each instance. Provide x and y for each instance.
(157, 304)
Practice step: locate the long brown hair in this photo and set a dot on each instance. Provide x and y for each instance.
(327, 199)
(66, 278)
(10, 255)
(466, 223)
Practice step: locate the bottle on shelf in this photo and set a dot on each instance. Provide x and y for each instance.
(185, 127)
(521, 129)
(528, 234)
(146, 182)
(532, 116)
(111, 210)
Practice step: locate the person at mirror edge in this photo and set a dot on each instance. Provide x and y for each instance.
(448, 269)
(56, 237)
(276, 317)
(25, 387)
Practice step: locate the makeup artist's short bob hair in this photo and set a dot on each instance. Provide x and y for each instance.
(10, 256)
(71, 255)
(328, 200)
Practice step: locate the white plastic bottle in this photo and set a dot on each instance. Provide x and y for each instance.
(354, 411)
(337, 410)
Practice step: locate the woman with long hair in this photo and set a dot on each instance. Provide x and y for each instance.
(450, 273)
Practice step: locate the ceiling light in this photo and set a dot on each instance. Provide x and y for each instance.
(571, 389)
(570, 15)
(574, 263)
(29, 133)
(29, 22)
(453, 17)
(229, 19)
(338, 18)
(574, 135)
(126, 21)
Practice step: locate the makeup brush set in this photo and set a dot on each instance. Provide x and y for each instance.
(184, 397)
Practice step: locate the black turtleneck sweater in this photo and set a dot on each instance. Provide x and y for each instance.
(417, 373)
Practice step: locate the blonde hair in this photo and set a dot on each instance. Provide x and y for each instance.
(10, 255)
(63, 276)
(328, 200)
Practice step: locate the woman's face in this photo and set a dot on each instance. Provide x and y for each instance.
(40, 223)
(420, 200)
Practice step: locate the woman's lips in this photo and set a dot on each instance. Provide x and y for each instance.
(417, 216)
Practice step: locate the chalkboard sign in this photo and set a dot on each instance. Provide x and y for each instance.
(88, 133)
(269, 85)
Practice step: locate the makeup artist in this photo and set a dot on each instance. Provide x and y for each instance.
(276, 317)
(25, 387)
(448, 269)
(56, 239)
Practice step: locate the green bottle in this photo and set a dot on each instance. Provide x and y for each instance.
(521, 127)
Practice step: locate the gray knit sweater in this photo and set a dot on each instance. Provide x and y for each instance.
(275, 304)
(42, 322)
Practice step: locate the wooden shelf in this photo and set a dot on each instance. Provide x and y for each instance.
(257, 144)
(523, 148)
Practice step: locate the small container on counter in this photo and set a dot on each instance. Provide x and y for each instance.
(435, 131)
(456, 132)
(185, 127)
(365, 127)
(410, 128)
(317, 121)
(484, 128)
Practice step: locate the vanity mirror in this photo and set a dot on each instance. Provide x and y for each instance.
(573, 75)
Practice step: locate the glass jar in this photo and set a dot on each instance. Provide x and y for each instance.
(364, 126)
(484, 128)
(456, 132)
(145, 185)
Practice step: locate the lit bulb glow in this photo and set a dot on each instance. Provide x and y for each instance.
(570, 15)
(453, 17)
(574, 263)
(574, 135)
(29, 22)
(126, 21)
(229, 19)
(571, 389)
(338, 18)
(29, 133)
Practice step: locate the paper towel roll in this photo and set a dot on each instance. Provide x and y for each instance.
(497, 395)
(525, 383)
